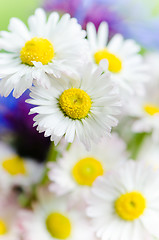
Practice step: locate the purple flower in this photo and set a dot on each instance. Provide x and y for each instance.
(130, 18)
(15, 122)
(62, 6)
(102, 13)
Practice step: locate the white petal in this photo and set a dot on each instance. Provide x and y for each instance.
(102, 35)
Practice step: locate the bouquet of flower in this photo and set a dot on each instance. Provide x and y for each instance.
(94, 93)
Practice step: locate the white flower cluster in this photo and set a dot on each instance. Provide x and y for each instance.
(75, 80)
(79, 83)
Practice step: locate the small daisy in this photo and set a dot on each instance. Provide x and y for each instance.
(78, 168)
(125, 64)
(145, 110)
(16, 171)
(84, 108)
(51, 219)
(9, 229)
(125, 203)
(46, 48)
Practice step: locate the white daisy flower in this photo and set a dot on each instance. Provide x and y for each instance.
(46, 48)
(16, 171)
(83, 108)
(9, 229)
(125, 64)
(145, 110)
(125, 203)
(52, 219)
(77, 169)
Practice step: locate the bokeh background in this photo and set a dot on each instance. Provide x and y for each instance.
(16, 8)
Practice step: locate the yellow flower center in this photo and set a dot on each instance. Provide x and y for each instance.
(75, 103)
(151, 109)
(115, 64)
(14, 166)
(37, 49)
(87, 170)
(58, 225)
(130, 206)
(3, 228)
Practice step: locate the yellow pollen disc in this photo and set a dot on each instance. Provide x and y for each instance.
(58, 226)
(14, 166)
(3, 228)
(115, 64)
(75, 103)
(130, 206)
(151, 109)
(37, 49)
(87, 170)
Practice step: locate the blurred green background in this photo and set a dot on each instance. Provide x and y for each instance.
(16, 8)
(153, 6)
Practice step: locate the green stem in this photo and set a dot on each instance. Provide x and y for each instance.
(52, 156)
(135, 144)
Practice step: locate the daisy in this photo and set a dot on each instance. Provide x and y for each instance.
(46, 48)
(84, 108)
(77, 169)
(125, 203)
(145, 110)
(125, 63)
(16, 171)
(51, 219)
(9, 229)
